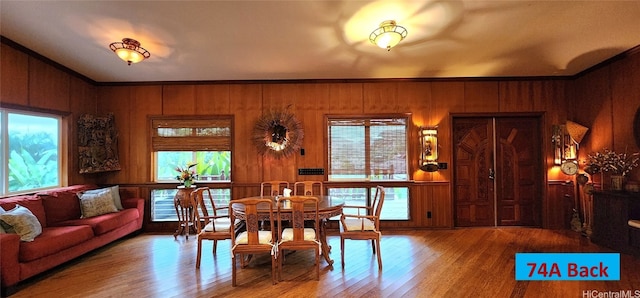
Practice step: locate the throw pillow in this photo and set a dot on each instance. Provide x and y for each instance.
(21, 221)
(96, 203)
(114, 191)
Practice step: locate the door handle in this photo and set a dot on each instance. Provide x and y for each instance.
(492, 174)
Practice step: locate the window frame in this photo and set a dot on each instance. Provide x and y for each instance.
(62, 148)
(192, 143)
(368, 169)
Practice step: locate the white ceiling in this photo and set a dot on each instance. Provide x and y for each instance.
(323, 39)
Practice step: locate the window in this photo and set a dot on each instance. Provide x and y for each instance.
(394, 207)
(368, 149)
(180, 140)
(162, 208)
(31, 151)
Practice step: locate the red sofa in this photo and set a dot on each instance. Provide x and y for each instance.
(65, 235)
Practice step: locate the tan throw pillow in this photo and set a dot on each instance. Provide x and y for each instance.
(114, 191)
(21, 221)
(96, 203)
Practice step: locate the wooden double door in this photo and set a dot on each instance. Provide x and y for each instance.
(498, 176)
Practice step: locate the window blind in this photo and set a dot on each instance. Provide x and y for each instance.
(191, 134)
(367, 148)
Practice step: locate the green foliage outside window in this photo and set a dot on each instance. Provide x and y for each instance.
(33, 160)
(211, 165)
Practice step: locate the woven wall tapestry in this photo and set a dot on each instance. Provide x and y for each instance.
(97, 144)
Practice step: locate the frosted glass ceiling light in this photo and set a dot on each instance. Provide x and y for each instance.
(129, 50)
(388, 35)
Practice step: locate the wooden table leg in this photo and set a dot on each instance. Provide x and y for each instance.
(326, 249)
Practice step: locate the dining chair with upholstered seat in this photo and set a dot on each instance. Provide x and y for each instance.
(209, 226)
(365, 225)
(298, 210)
(253, 240)
(308, 188)
(273, 188)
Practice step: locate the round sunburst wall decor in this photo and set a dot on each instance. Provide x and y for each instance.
(278, 134)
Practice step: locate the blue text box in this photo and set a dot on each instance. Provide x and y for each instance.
(567, 266)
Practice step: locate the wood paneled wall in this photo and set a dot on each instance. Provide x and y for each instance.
(31, 82)
(603, 99)
(429, 103)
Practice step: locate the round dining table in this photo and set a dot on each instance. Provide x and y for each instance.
(328, 207)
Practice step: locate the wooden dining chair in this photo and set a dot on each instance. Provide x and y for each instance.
(298, 210)
(209, 226)
(364, 226)
(273, 188)
(308, 188)
(253, 240)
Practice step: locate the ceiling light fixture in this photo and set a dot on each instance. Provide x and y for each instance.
(388, 35)
(129, 50)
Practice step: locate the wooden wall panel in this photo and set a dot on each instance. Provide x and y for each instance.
(82, 101)
(212, 99)
(481, 97)
(14, 76)
(416, 96)
(346, 98)
(381, 98)
(246, 104)
(48, 86)
(594, 88)
(131, 106)
(561, 204)
(447, 97)
(431, 199)
(118, 101)
(625, 88)
(441, 206)
(179, 100)
(146, 100)
(517, 96)
(277, 97)
(312, 105)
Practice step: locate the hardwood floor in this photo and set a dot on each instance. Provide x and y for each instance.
(475, 262)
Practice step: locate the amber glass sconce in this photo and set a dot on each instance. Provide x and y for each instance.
(566, 140)
(565, 148)
(429, 149)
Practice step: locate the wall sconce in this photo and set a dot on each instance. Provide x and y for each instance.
(429, 149)
(566, 140)
(129, 50)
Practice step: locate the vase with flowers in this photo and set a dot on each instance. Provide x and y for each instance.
(187, 175)
(617, 164)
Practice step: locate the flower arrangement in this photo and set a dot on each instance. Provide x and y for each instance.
(616, 163)
(187, 175)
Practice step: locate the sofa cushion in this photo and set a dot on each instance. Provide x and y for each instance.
(53, 240)
(60, 206)
(105, 223)
(114, 192)
(96, 203)
(31, 202)
(21, 221)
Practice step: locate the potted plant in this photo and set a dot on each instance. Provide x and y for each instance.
(187, 175)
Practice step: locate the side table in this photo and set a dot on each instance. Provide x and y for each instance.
(184, 210)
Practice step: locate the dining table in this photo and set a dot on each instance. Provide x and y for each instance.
(328, 207)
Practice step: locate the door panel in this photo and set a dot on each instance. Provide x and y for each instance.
(474, 198)
(497, 184)
(518, 171)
